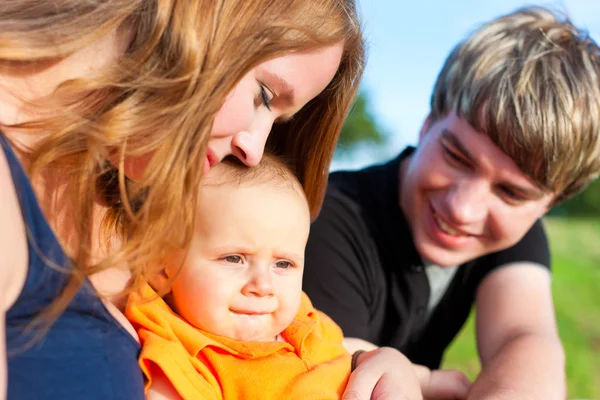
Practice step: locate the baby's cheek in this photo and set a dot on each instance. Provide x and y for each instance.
(293, 305)
(194, 296)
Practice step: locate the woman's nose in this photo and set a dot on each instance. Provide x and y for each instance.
(250, 146)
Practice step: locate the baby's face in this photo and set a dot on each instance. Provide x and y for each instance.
(243, 276)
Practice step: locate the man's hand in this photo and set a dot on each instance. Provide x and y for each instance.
(383, 374)
(398, 379)
(443, 384)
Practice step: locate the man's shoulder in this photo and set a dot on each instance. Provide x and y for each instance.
(368, 187)
(361, 213)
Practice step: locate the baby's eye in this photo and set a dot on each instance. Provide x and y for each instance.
(283, 264)
(233, 259)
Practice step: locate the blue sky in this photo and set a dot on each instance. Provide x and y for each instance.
(408, 43)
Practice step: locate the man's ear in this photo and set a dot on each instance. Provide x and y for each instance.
(425, 127)
(550, 205)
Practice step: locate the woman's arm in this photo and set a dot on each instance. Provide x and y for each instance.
(13, 258)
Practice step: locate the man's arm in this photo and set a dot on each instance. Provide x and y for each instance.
(519, 346)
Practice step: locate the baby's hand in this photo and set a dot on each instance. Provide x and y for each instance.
(443, 384)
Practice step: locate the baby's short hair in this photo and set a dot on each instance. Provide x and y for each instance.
(271, 170)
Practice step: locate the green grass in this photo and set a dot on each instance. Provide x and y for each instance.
(575, 246)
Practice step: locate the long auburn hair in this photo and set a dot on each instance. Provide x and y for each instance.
(160, 98)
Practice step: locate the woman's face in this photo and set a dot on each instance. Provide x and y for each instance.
(271, 92)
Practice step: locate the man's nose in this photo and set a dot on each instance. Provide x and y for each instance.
(467, 201)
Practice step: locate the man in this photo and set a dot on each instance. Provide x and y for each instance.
(401, 251)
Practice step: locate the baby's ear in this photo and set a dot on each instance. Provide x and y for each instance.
(161, 282)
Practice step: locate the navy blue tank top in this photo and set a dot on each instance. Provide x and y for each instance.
(86, 353)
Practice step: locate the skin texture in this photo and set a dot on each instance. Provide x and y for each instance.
(243, 275)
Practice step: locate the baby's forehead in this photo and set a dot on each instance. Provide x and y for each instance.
(269, 174)
(257, 188)
(274, 202)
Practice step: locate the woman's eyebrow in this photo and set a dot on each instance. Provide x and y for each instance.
(282, 88)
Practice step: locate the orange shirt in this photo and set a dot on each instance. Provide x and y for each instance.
(312, 364)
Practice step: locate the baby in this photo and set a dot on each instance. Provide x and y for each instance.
(235, 323)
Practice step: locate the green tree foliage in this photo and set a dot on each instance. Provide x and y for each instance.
(360, 127)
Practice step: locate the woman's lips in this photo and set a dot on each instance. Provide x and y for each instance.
(210, 160)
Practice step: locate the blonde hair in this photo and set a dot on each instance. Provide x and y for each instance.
(160, 98)
(530, 81)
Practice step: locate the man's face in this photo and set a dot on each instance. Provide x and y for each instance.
(463, 197)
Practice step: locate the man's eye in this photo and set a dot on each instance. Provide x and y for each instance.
(233, 259)
(283, 264)
(511, 195)
(454, 157)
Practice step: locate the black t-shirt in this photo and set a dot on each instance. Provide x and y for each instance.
(363, 270)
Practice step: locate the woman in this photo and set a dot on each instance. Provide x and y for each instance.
(116, 108)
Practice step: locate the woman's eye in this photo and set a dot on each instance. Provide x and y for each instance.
(233, 259)
(283, 264)
(266, 96)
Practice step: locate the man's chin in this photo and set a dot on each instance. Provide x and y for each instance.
(442, 257)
